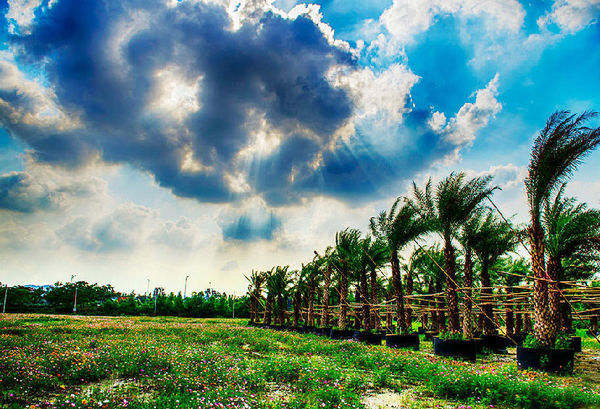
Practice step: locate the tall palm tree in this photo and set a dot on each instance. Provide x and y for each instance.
(397, 228)
(311, 273)
(255, 288)
(325, 264)
(557, 151)
(448, 208)
(270, 285)
(514, 270)
(426, 263)
(373, 254)
(346, 250)
(298, 288)
(467, 238)
(282, 278)
(493, 238)
(573, 234)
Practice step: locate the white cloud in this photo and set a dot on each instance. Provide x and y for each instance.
(380, 96)
(406, 18)
(572, 15)
(21, 14)
(462, 129)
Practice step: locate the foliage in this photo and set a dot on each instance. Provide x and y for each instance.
(189, 363)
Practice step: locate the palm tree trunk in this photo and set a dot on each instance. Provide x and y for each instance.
(375, 323)
(468, 303)
(487, 306)
(252, 306)
(542, 327)
(397, 283)
(311, 302)
(451, 295)
(297, 301)
(518, 319)
(366, 308)
(409, 291)
(280, 309)
(553, 269)
(343, 300)
(268, 308)
(441, 314)
(510, 314)
(326, 285)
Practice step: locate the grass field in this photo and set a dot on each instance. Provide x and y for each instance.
(83, 362)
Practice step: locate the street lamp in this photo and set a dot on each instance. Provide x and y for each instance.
(147, 287)
(185, 286)
(75, 302)
(233, 299)
(4, 303)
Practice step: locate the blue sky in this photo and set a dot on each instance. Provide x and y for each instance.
(164, 138)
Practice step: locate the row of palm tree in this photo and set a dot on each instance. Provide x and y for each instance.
(564, 243)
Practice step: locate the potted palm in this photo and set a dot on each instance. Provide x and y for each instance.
(557, 151)
(397, 228)
(447, 209)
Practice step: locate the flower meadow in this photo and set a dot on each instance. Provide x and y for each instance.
(124, 362)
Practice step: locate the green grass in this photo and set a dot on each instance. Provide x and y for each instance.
(191, 363)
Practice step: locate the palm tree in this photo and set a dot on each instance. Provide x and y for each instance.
(397, 228)
(426, 262)
(514, 270)
(270, 284)
(557, 151)
(325, 264)
(452, 204)
(310, 272)
(298, 288)
(346, 250)
(373, 254)
(256, 280)
(467, 238)
(281, 280)
(572, 234)
(493, 238)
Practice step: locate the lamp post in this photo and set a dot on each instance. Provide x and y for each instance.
(75, 301)
(4, 303)
(155, 299)
(233, 308)
(185, 286)
(147, 287)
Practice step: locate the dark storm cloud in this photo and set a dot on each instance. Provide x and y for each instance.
(275, 66)
(249, 227)
(355, 170)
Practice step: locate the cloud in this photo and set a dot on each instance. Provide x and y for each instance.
(172, 89)
(461, 129)
(41, 188)
(122, 229)
(405, 18)
(506, 176)
(253, 222)
(571, 15)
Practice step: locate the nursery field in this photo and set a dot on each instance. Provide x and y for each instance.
(105, 362)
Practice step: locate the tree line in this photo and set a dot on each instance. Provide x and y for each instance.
(475, 247)
(93, 299)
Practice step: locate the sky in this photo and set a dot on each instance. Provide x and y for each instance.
(158, 139)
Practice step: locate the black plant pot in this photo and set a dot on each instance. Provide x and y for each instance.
(495, 343)
(341, 334)
(552, 360)
(368, 337)
(306, 329)
(402, 341)
(456, 348)
(576, 344)
(294, 329)
(421, 330)
(519, 338)
(323, 331)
